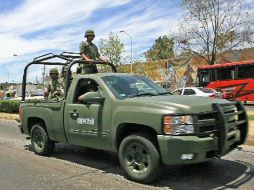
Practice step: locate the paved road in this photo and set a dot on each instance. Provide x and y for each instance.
(249, 106)
(72, 167)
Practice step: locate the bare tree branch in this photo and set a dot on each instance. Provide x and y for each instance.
(213, 26)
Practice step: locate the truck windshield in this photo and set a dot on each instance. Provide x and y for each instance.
(128, 86)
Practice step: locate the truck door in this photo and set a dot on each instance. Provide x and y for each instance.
(84, 120)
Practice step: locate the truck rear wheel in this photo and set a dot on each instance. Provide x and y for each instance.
(140, 158)
(40, 142)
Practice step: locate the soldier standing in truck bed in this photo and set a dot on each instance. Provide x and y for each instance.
(90, 53)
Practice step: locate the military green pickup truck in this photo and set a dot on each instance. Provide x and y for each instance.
(134, 117)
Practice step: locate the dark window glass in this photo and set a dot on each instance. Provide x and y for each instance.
(207, 90)
(226, 73)
(188, 92)
(246, 71)
(127, 86)
(203, 77)
(212, 73)
(84, 86)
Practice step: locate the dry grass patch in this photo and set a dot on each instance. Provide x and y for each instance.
(9, 116)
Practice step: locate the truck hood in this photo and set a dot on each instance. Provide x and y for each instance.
(186, 104)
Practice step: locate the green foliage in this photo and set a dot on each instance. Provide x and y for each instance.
(125, 68)
(9, 106)
(112, 48)
(161, 49)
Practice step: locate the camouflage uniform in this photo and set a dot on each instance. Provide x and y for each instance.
(62, 82)
(91, 51)
(54, 88)
(63, 76)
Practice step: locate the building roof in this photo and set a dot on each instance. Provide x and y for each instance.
(227, 64)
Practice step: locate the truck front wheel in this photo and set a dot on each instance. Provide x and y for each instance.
(140, 158)
(40, 142)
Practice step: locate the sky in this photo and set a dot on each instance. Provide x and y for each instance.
(31, 28)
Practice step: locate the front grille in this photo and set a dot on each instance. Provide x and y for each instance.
(223, 122)
(207, 129)
(230, 118)
(206, 123)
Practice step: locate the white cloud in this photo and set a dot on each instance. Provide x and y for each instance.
(37, 15)
(42, 15)
(41, 26)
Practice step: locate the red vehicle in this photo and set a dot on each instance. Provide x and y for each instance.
(235, 79)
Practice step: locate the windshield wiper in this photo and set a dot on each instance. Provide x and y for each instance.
(163, 93)
(142, 94)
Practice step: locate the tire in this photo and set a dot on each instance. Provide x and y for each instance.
(40, 141)
(140, 158)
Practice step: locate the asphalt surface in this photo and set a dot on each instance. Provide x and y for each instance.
(249, 106)
(73, 167)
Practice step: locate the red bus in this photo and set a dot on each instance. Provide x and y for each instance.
(235, 78)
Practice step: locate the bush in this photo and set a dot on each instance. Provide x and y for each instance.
(9, 106)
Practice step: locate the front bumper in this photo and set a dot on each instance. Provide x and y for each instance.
(172, 148)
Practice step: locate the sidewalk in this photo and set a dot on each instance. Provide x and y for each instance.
(249, 141)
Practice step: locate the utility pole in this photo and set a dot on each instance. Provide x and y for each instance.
(43, 75)
(122, 31)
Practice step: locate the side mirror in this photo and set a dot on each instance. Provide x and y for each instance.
(92, 97)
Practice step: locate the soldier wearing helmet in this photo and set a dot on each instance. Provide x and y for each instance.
(90, 53)
(54, 89)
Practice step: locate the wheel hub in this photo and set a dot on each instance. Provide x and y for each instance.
(137, 158)
(38, 139)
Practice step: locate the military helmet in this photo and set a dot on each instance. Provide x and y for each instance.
(89, 33)
(53, 71)
(64, 71)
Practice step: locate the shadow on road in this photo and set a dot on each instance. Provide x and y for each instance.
(219, 174)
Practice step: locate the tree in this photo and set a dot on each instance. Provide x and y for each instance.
(211, 27)
(148, 70)
(112, 48)
(161, 49)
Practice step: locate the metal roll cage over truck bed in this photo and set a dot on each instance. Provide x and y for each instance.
(71, 58)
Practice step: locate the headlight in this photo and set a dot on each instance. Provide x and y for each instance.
(176, 125)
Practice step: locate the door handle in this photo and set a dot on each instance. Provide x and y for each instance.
(74, 113)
